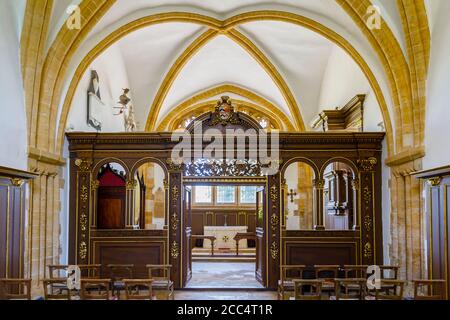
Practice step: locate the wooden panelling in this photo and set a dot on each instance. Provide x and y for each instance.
(323, 247)
(135, 251)
(12, 221)
(438, 226)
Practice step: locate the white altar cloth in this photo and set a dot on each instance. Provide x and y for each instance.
(224, 237)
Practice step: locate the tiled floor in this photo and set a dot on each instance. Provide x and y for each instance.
(225, 295)
(224, 275)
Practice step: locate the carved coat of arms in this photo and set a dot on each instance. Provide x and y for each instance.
(224, 112)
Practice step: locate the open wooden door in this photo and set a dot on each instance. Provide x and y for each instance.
(187, 233)
(261, 237)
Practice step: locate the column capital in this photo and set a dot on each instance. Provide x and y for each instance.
(319, 183)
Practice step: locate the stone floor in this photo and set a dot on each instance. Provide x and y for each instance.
(225, 295)
(229, 275)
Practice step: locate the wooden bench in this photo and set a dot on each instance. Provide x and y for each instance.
(202, 237)
(244, 235)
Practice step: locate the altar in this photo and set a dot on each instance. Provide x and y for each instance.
(224, 237)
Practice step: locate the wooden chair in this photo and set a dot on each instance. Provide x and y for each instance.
(95, 289)
(161, 282)
(58, 272)
(389, 273)
(56, 289)
(314, 292)
(138, 289)
(15, 289)
(429, 289)
(288, 273)
(327, 273)
(90, 271)
(350, 289)
(241, 236)
(395, 292)
(118, 272)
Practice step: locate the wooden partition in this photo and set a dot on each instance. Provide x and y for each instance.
(13, 184)
(360, 151)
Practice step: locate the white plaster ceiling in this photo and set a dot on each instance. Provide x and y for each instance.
(148, 55)
(300, 55)
(222, 61)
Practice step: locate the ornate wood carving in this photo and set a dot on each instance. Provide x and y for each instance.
(213, 168)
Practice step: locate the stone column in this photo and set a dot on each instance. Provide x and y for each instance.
(43, 225)
(407, 222)
(129, 207)
(319, 185)
(356, 205)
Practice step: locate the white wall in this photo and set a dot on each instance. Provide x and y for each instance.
(343, 79)
(437, 128)
(386, 205)
(113, 78)
(13, 125)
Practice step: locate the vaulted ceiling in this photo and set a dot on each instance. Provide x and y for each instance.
(287, 71)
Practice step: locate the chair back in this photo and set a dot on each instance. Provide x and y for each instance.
(95, 289)
(290, 272)
(307, 289)
(90, 271)
(429, 289)
(350, 289)
(328, 272)
(138, 289)
(389, 272)
(355, 271)
(390, 290)
(162, 270)
(15, 289)
(56, 289)
(57, 271)
(118, 272)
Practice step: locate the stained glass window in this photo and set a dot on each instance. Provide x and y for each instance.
(203, 194)
(248, 194)
(226, 194)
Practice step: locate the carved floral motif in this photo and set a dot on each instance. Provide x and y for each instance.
(175, 250)
(82, 252)
(274, 222)
(174, 222)
(368, 250)
(83, 222)
(367, 164)
(175, 194)
(274, 250)
(367, 195)
(368, 223)
(274, 193)
(83, 165)
(84, 193)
